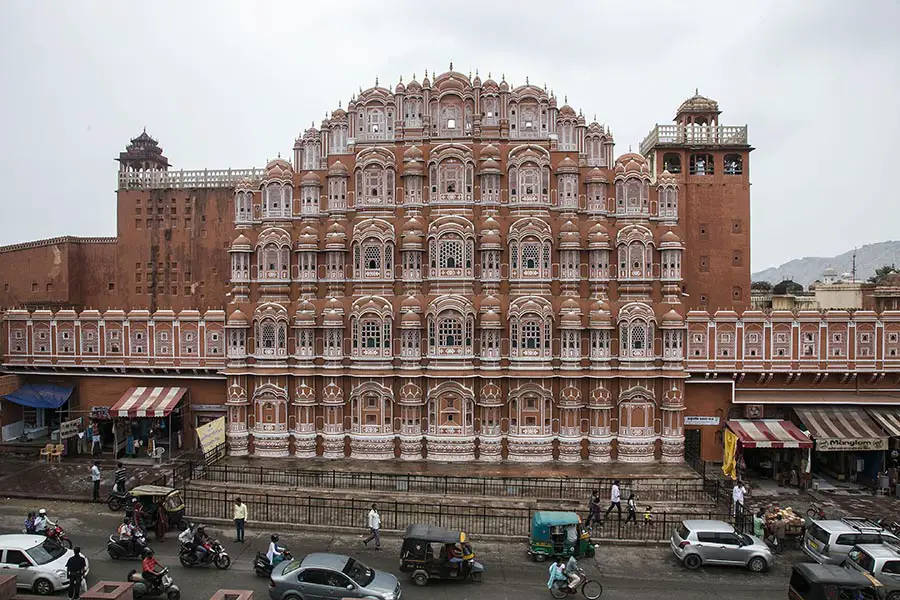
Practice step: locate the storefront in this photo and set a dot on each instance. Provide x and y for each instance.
(34, 411)
(146, 418)
(772, 448)
(849, 444)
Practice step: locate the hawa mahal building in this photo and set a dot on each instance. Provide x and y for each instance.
(454, 269)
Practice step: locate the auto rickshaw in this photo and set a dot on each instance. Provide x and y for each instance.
(831, 582)
(558, 534)
(430, 552)
(156, 498)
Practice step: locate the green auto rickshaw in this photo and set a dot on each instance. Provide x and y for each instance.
(558, 534)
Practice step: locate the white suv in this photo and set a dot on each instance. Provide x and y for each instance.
(828, 542)
(39, 564)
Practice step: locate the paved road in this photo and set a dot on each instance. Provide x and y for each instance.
(633, 573)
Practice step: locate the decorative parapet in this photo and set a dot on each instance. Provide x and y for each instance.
(695, 135)
(66, 239)
(206, 178)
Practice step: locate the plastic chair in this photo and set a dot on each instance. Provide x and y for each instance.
(157, 454)
(47, 451)
(57, 453)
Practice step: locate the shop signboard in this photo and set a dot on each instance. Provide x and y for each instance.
(100, 413)
(857, 445)
(212, 434)
(69, 429)
(696, 420)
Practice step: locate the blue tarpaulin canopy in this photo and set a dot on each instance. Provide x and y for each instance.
(40, 395)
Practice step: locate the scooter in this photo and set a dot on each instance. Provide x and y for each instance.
(117, 549)
(215, 556)
(261, 565)
(116, 500)
(142, 587)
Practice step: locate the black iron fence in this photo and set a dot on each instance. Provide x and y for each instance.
(693, 492)
(274, 509)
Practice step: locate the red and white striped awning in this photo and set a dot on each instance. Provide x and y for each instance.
(765, 433)
(148, 402)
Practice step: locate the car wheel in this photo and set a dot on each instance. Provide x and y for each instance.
(420, 579)
(43, 587)
(477, 576)
(757, 564)
(894, 596)
(692, 561)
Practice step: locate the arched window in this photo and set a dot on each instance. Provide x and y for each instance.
(668, 202)
(274, 262)
(635, 261)
(636, 339)
(412, 112)
(702, 164)
(271, 338)
(375, 125)
(595, 152)
(491, 110)
(450, 333)
(451, 121)
(734, 164)
(339, 139)
(568, 191)
(567, 137)
(672, 162)
(337, 193)
(278, 198)
(242, 207)
(311, 155)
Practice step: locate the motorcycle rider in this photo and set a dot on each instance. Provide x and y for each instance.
(150, 569)
(275, 553)
(126, 535)
(42, 522)
(201, 543)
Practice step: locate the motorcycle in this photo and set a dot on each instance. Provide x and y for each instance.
(55, 532)
(261, 565)
(216, 555)
(890, 525)
(117, 549)
(116, 500)
(142, 587)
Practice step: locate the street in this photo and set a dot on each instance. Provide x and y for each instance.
(643, 572)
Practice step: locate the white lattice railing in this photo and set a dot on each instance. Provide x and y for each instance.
(694, 134)
(206, 178)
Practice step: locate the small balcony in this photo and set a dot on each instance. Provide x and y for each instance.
(695, 135)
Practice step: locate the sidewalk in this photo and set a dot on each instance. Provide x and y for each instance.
(69, 479)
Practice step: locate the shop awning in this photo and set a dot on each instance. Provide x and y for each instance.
(40, 395)
(148, 402)
(888, 417)
(768, 433)
(842, 428)
(762, 396)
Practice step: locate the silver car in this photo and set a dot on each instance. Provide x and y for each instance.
(828, 541)
(698, 543)
(323, 576)
(39, 564)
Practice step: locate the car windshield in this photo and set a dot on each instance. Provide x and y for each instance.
(864, 560)
(683, 531)
(745, 539)
(46, 552)
(359, 572)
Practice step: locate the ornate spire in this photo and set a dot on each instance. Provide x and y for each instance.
(451, 65)
(566, 99)
(339, 103)
(376, 81)
(526, 80)
(401, 77)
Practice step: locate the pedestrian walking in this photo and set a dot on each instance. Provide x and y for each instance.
(778, 532)
(593, 508)
(240, 518)
(737, 500)
(632, 510)
(615, 500)
(119, 477)
(95, 479)
(75, 567)
(374, 521)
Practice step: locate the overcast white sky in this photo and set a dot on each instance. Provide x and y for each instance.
(230, 84)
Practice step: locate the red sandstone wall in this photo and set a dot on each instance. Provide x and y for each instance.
(708, 400)
(173, 248)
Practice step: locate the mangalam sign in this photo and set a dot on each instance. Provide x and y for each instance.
(212, 434)
(836, 444)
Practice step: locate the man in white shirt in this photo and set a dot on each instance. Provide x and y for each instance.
(737, 497)
(615, 500)
(95, 479)
(374, 521)
(41, 522)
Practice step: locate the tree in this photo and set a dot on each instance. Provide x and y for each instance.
(787, 287)
(761, 286)
(881, 273)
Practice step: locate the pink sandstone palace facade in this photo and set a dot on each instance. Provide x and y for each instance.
(454, 269)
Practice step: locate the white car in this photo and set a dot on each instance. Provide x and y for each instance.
(39, 564)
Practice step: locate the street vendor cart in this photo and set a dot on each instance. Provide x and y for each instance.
(794, 526)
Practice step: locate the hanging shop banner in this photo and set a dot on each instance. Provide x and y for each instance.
(837, 444)
(212, 434)
(69, 429)
(100, 413)
(729, 466)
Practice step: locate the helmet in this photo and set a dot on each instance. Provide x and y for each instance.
(127, 520)
(274, 537)
(147, 553)
(42, 512)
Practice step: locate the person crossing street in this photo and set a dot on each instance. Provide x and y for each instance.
(95, 480)
(615, 500)
(374, 522)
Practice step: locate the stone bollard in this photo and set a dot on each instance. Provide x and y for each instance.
(110, 590)
(7, 587)
(232, 595)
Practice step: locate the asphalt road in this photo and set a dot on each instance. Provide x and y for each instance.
(635, 573)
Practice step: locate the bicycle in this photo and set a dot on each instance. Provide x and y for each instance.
(816, 511)
(590, 588)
